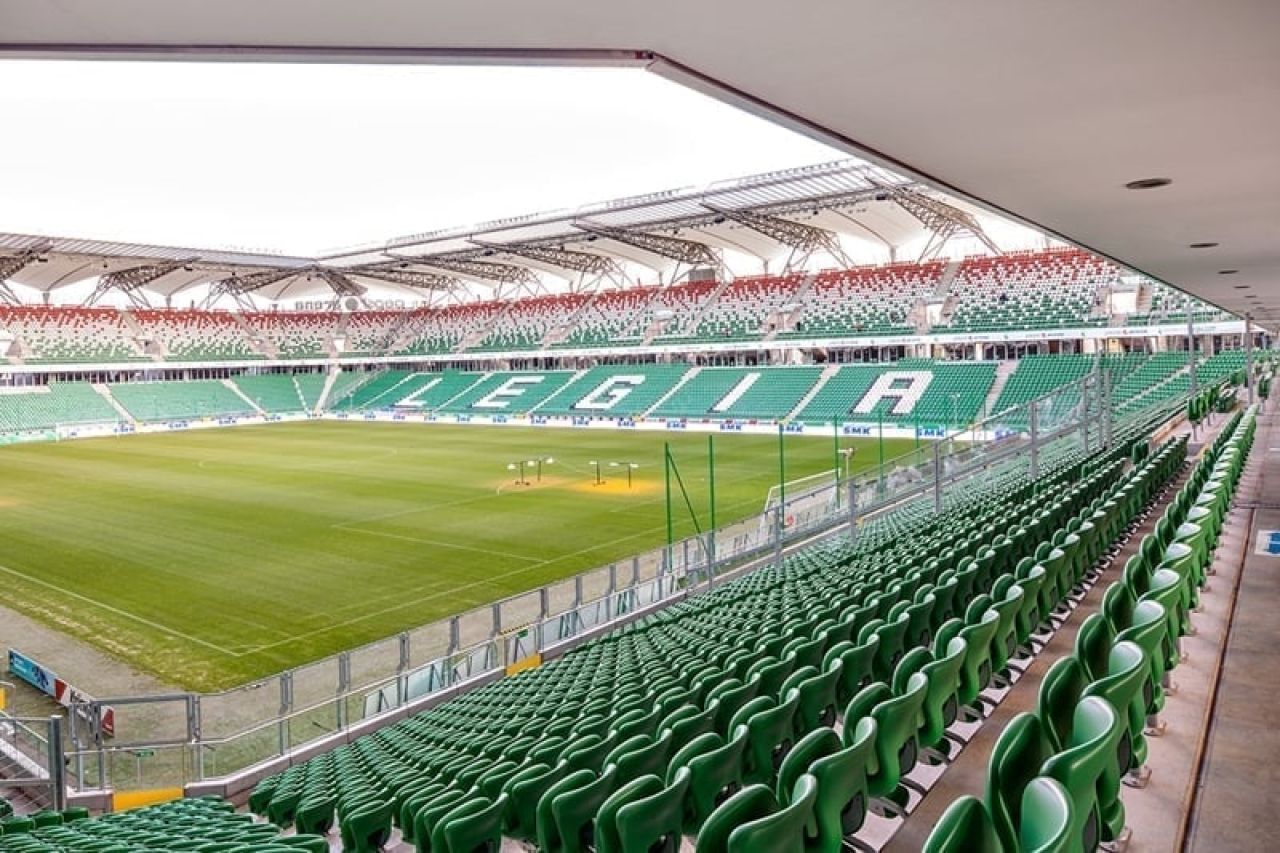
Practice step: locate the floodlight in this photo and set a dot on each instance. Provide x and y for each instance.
(551, 460)
(511, 466)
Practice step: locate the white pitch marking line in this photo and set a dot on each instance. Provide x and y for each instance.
(126, 614)
(452, 590)
(449, 545)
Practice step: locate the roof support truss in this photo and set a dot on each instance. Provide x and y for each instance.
(558, 256)
(675, 248)
(341, 285)
(238, 286)
(131, 281)
(945, 221)
(11, 265)
(491, 271)
(429, 281)
(804, 240)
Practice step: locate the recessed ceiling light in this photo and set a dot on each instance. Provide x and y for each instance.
(1148, 184)
(1201, 245)
(1242, 286)
(1228, 272)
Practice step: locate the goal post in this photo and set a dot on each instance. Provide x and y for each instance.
(805, 495)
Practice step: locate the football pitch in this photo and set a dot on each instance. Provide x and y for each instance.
(212, 557)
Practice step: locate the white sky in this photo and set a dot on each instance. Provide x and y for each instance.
(306, 158)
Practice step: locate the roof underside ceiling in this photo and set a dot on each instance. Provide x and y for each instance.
(1034, 109)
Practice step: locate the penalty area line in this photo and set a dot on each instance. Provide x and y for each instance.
(126, 614)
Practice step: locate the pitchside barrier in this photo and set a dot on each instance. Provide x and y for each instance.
(185, 738)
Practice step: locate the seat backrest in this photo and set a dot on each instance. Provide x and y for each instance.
(1047, 817)
(1093, 645)
(607, 836)
(843, 787)
(1060, 691)
(784, 830)
(654, 822)
(965, 827)
(817, 744)
(1016, 759)
(1122, 687)
(751, 803)
(574, 811)
(1090, 753)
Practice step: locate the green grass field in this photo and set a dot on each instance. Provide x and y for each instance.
(213, 557)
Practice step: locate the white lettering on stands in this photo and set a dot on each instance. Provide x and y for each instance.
(413, 399)
(501, 397)
(610, 392)
(890, 386)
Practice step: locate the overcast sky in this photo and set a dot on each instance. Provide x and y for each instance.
(305, 158)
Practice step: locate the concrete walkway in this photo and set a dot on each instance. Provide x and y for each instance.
(1237, 807)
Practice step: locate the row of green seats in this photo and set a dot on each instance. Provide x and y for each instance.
(204, 825)
(724, 686)
(1054, 776)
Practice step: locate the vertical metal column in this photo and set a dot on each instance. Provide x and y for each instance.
(1085, 413)
(1033, 470)
(1104, 397)
(194, 736)
(777, 533)
(937, 477)
(1248, 358)
(1191, 347)
(57, 765)
(853, 510)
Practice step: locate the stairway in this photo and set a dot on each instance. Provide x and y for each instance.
(785, 321)
(297, 389)
(158, 352)
(943, 286)
(1003, 371)
(827, 372)
(115, 404)
(243, 396)
(689, 374)
(329, 379)
(559, 332)
(257, 341)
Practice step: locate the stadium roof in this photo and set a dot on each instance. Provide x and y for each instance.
(784, 219)
(1036, 109)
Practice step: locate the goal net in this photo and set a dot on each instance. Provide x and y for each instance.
(807, 498)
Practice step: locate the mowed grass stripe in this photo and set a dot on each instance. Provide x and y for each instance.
(278, 544)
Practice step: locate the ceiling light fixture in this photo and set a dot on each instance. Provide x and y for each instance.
(1228, 272)
(1148, 184)
(1205, 245)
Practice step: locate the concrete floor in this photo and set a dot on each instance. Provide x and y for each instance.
(1237, 804)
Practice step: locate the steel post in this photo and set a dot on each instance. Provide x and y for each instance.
(57, 765)
(937, 477)
(1248, 358)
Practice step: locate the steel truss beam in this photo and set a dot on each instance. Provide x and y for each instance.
(557, 256)
(675, 248)
(341, 285)
(11, 265)
(416, 279)
(803, 239)
(481, 270)
(945, 221)
(238, 286)
(131, 281)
